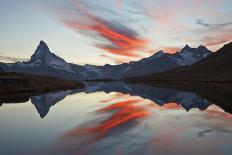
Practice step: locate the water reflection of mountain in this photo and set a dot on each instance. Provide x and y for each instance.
(45, 101)
(160, 96)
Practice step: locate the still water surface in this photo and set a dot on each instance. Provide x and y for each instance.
(115, 119)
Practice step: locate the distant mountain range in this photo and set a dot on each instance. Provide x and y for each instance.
(44, 62)
(215, 68)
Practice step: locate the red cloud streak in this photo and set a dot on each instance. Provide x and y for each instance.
(119, 42)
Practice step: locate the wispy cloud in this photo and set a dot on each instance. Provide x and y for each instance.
(126, 30)
(177, 27)
(11, 59)
(217, 25)
(112, 36)
(118, 59)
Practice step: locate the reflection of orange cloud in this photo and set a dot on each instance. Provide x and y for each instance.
(116, 96)
(171, 106)
(166, 139)
(123, 112)
(215, 111)
(119, 105)
(122, 116)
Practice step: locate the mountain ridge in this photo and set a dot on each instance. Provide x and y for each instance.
(217, 67)
(44, 62)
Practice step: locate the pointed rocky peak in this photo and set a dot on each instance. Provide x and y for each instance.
(42, 51)
(43, 56)
(153, 57)
(202, 48)
(186, 48)
(158, 54)
(42, 48)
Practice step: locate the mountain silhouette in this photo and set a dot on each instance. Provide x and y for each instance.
(44, 62)
(217, 67)
(158, 95)
(45, 101)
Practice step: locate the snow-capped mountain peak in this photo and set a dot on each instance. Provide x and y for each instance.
(189, 55)
(186, 47)
(41, 53)
(159, 53)
(42, 47)
(42, 62)
(156, 55)
(202, 48)
(43, 56)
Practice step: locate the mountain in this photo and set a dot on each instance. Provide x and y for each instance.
(188, 55)
(44, 57)
(160, 96)
(215, 68)
(45, 101)
(44, 62)
(188, 99)
(156, 63)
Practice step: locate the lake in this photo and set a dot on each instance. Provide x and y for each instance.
(116, 119)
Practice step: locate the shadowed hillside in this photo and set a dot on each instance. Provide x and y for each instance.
(217, 68)
(14, 85)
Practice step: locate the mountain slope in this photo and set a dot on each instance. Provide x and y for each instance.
(44, 62)
(156, 63)
(43, 56)
(215, 68)
(188, 55)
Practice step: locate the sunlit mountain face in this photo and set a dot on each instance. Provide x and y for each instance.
(111, 119)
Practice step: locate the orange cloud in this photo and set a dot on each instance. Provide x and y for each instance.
(120, 39)
(218, 40)
(171, 50)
